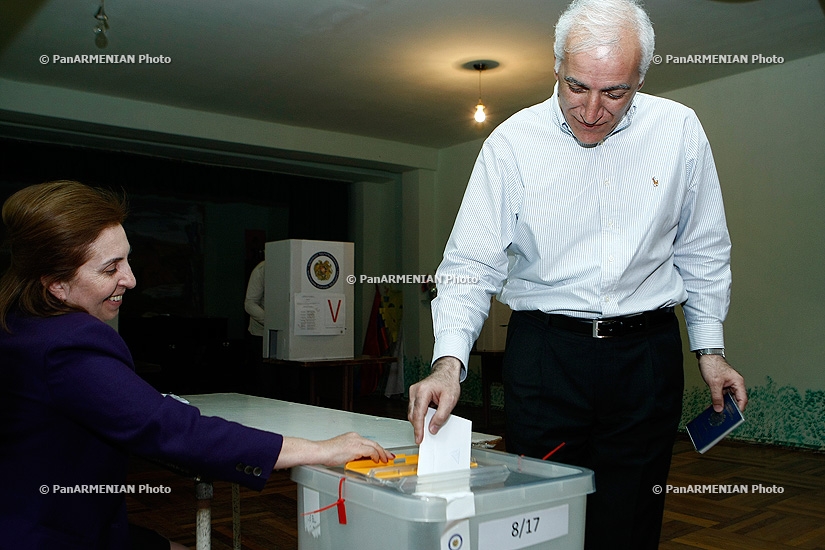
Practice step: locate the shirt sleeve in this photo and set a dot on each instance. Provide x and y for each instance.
(702, 248)
(90, 378)
(475, 261)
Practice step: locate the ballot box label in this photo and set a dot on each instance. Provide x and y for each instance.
(525, 529)
(319, 314)
(312, 522)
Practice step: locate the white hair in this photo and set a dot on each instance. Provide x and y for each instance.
(601, 23)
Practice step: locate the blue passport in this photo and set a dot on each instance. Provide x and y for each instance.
(710, 427)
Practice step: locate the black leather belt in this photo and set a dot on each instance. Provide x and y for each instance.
(609, 327)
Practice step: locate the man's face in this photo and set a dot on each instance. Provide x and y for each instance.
(596, 88)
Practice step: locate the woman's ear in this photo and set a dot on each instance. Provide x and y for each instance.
(58, 289)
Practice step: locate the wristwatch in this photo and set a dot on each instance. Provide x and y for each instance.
(710, 351)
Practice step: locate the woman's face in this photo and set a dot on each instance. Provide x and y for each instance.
(99, 284)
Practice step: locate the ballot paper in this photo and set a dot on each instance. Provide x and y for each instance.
(449, 449)
(446, 452)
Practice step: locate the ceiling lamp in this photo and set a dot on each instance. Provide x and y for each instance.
(480, 115)
(480, 66)
(102, 25)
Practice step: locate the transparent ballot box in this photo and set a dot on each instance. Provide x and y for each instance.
(503, 502)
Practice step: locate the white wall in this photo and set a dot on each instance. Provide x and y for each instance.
(767, 131)
(375, 212)
(454, 167)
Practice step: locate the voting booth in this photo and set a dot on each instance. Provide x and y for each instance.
(514, 502)
(308, 300)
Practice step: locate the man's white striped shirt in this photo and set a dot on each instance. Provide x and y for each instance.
(632, 224)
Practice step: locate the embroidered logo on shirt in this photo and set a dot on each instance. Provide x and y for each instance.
(655, 182)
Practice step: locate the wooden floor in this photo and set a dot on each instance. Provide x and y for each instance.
(782, 505)
(778, 503)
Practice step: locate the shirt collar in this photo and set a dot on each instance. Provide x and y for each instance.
(558, 118)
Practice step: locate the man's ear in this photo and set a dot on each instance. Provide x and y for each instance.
(58, 289)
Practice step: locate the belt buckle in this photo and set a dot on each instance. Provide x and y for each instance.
(596, 329)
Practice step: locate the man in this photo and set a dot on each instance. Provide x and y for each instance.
(261, 382)
(254, 301)
(592, 215)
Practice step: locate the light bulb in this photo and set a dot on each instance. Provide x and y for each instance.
(101, 41)
(480, 116)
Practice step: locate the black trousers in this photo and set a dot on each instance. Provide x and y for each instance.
(614, 402)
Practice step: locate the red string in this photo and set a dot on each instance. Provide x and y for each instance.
(342, 509)
(548, 455)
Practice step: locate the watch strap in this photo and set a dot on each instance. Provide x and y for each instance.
(710, 351)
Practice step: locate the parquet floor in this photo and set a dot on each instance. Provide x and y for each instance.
(758, 516)
(782, 505)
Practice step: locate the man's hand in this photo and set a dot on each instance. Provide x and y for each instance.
(442, 387)
(720, 376)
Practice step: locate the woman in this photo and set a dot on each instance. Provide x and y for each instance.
(71, 406)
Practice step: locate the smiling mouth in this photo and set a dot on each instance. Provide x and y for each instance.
(118, 298)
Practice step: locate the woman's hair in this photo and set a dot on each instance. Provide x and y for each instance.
(50, 228)
(597, 23)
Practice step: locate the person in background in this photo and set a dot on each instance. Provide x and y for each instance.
(254, 303)
(72, 408)
(592, 215)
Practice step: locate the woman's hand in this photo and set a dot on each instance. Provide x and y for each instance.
(330, 452)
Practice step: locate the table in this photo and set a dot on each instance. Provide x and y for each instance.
(296, 420)
(309, 421)
(346, 366)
